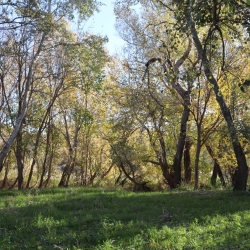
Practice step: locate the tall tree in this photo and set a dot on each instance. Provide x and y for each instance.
(34, 24)
(241, 181)
(213, 16)
(165, 62)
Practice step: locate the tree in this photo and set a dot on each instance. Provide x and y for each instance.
(209, 23)
(211, 14)
(239, 153)
(169, 68)
(86, 76)
(31, 25)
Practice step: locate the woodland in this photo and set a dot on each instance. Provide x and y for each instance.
(171, 109)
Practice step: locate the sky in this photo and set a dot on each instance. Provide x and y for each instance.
(103, 23)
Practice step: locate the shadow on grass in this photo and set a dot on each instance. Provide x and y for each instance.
(100, 219)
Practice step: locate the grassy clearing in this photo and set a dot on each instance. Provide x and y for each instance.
(98, 219)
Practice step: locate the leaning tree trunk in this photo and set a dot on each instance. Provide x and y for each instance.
(22, 113)
(217, 169)
(14, 184)
(242, 175)
(217, 172)
(138, 186)
(66, 171)
(6, 171)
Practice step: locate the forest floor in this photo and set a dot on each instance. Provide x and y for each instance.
(102, 219)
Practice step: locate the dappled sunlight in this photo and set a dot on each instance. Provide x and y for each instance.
(87, 218)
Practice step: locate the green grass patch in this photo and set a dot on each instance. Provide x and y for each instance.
(99, 219)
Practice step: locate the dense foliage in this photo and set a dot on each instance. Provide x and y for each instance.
(172, 109)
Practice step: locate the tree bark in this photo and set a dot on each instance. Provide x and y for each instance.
(72, 147)
(19, 159)
(45, 161)
(46, 182)
(66, 171)
(106, 173)
(242, 175)
(197, 158)
(217, 172)
(14, 183)
(187, 160)
(5, 179)
(216, 169)
(181, 140)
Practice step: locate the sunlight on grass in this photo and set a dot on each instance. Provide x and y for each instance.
(87, 218)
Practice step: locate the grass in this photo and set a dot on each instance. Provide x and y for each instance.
(99, 219)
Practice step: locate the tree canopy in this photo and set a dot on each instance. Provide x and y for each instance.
(172, 109)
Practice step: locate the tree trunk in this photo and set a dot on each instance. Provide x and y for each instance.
(14, 183)
(167, 172)
(41, 129)
(19, 159)
(222, 180)
(197, 159)
(44, 166)
(216, 170)
(23, 106)
(5, 179)
(185, 95)
(71, 169)
(187, 160)
(242, 175)
(46, 182)
(91, 179)
(106, 173)
(181, 140)
(65, 173)
(30, 173)
(214, 174)
(168, 177)
(138, 186)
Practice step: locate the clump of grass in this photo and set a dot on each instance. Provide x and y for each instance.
(88, 218)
